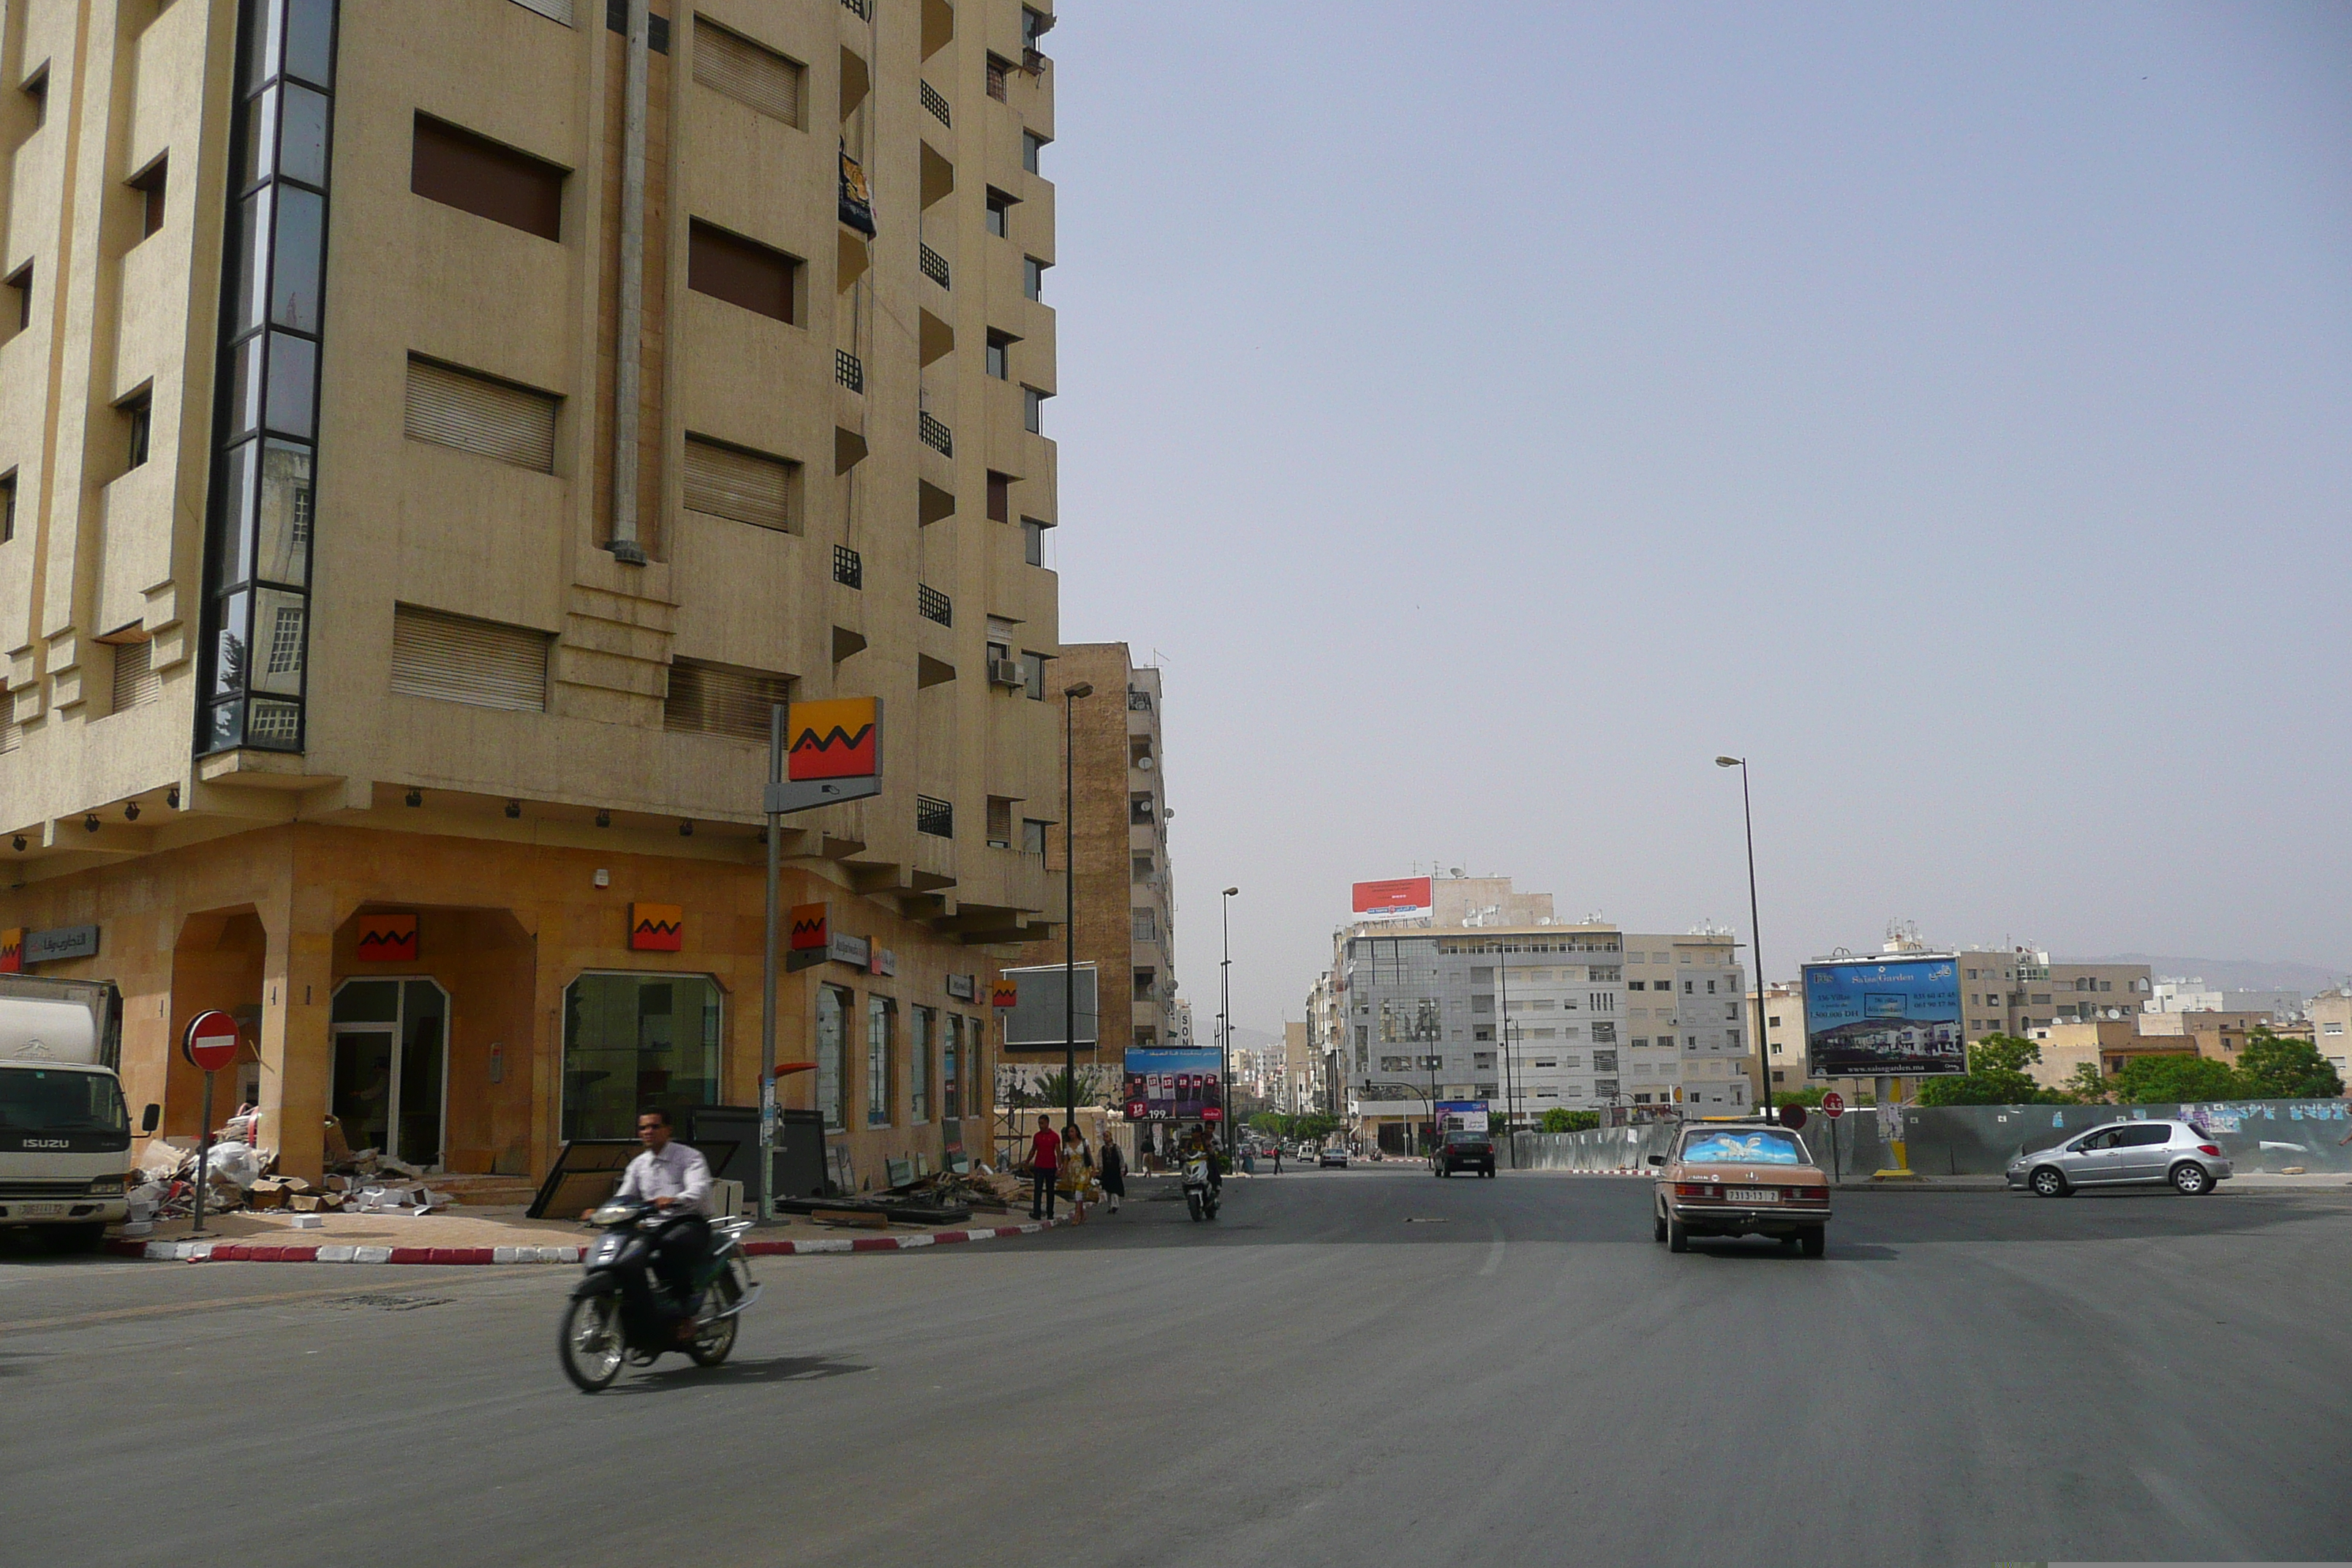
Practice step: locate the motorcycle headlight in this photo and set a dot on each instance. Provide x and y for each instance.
(613, 1213)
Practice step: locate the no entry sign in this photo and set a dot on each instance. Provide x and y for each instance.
(1833, 1105)
(212, 1041)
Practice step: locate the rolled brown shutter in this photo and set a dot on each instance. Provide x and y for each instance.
(554, 10)
(135, 680)
(455, 658)
(742, 485)
(451, 407)
(711, 699)
(747, 72)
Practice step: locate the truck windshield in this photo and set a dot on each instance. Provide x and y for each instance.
(47, 1100)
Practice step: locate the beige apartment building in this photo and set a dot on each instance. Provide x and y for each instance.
(1689, 1041)
(2017, 991)
(1126, 898)
(426, 457)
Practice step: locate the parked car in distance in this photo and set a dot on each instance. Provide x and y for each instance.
(1740, 1179)
(2123, 1153)
(1333, 1157)
(1464, 1150)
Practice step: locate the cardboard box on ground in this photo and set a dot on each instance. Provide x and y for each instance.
(362, 1181)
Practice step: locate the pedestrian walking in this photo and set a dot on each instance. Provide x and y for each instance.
(1278, 1159)
(1114, 1173)
(1076, 1169)
(1045, 1169)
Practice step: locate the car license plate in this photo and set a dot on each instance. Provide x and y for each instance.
(40, 1211)
(1751, 1194)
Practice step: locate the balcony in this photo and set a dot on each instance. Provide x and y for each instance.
(936, 102)
(934, 605)
(934, 266)
(935, 436)
(862, 9)
(848, 567)
(1138, 702)
(849, 369)
(935, 817)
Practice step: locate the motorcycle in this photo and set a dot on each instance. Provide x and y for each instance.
(615, 1316)
(1199, 1193)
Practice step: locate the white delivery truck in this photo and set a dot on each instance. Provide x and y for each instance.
(65, 1133)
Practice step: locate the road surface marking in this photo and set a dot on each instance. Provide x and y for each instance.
(1494, 1253)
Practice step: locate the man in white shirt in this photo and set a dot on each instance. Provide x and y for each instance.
(675, 1180)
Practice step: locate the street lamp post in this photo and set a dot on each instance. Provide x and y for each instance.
(1754, 937)
(1226, 1009)
(1070, 695)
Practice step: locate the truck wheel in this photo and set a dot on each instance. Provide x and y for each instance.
(65, 1238)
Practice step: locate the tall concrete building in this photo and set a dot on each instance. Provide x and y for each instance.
(2016, 991)
(1126, 922)
(428, 454)
(1690, 1046)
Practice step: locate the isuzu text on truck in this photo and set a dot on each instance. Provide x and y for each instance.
(65, 1133)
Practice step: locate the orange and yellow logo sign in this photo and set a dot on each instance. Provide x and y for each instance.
(12, 951)
(656, 927)
(836, 739)
(1005, 993)
(809, 928)
(387, 938)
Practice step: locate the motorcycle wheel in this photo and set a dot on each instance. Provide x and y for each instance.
(1193, 1202)
(711, 1346)
(589, 1344)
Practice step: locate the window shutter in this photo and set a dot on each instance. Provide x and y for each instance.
(727, 483)
(711, 699)
(135, 680)
(455, 658)
(747, 72)
(475, 413)
(554, 10)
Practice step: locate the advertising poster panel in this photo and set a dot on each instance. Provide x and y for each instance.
(1170, 1084)
(1396, 898)
(1462, 1116)
(1891, 1017)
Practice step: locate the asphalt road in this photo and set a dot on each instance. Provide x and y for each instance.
(1358, 1367)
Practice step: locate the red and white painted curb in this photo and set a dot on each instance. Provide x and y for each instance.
(328, 1252)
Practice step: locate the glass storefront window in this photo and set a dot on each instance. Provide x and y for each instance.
(921, 1025)
(950, 1060)
(877, 1060)
(832, 1008)
(631, 1041)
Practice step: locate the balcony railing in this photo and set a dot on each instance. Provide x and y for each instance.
(862, 9)
(935, 102)
(848, 568)
(934, 605)
(849, 370)
(935, 436)
(936, 817)
(1139, 703)
(934, 265)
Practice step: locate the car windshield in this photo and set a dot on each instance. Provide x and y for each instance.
(1744, 1146)
(50, 1099)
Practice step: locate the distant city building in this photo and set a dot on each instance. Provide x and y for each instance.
(1693, 1049)
(2330, 1014)
(2190, 994)
(2015, 991)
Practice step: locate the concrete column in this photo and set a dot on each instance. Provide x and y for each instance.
(296, 987)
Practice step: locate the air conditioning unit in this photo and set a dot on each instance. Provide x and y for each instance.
(1006, 672)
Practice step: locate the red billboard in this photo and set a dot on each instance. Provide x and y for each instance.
(1397, 896)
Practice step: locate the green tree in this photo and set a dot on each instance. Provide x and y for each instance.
(1558, 1120)
(1313, 1127)
(2273, 1067)
(1810, 1096)
(2088, 1085)
(1272, 1123)
(1996, 1076)
(2175, 1076)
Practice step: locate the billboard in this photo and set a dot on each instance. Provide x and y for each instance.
(1169, 1085)
(1399, 896)
(1885, 1018)
(1462, 1116)
(1033, 1020)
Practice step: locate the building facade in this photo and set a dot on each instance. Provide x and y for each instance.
(1688, 1040)
(427, 467)
(2016, 991)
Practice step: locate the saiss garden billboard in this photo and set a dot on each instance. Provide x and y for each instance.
(1881, 1017)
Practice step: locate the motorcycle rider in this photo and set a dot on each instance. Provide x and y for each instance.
(675, 1180)
(1205, 1146)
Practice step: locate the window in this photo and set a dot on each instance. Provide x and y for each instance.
(952, 1058)
(831, 1018)
(922, 1025)
(741, 485)
(1033, 277)
(135, 679)
(455, 658)
(473, 173)
(138, 419)
(1000, 498)
(1141, 865)
(1710, 987)
(1033, 838)
(477, 414)
(741, 271)
(1139, 810)
(714, 699)
(635, 1041)
(1033, 410)
(18, 313)
(1000, 214)
(1000, 821)
(2326, 1028)
(999, 360)
(1147, 925)
(149, 183)
(1032, 542)
(878, 1087)
(1032, 146)
(997, 71)
(934, 817)
(36, 89)
(728, 62)
(559, 11)
(7, 506)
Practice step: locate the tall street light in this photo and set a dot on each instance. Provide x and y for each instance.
(1754, 938)
(1225, 1010)
(1070, 695)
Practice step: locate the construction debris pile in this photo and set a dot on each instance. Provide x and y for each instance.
(992, 1190)
(240, 1177)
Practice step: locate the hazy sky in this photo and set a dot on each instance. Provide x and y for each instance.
(1489, 414)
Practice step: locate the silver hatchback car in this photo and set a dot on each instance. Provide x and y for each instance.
(2175, 1153)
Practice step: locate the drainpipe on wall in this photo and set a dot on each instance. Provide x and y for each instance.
(628, 348)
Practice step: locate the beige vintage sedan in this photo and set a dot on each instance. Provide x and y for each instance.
(1741, 1178)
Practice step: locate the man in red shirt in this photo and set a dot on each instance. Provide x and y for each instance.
(1045, 1159)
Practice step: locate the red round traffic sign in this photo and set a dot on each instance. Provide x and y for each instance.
(212, 1041)
(1833, 1105)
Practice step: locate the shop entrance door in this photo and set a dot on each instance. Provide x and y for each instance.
(388, 1065)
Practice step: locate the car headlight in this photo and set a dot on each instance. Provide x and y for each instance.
(105, 1187)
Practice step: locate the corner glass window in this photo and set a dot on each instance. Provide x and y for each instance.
(632, 1041)
(831, 1009)
(878, 1087)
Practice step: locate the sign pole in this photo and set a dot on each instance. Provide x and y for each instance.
(204, 1159)
(768, 973)
(211, 1043)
